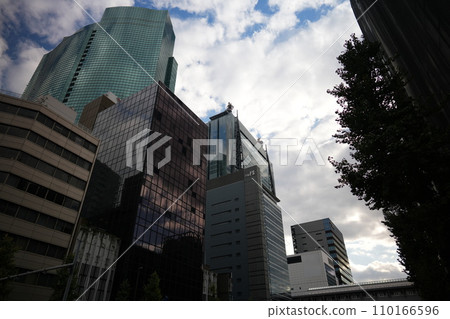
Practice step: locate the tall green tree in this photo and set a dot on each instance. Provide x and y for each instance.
(152, 290)
(7, 251)
(399, 162)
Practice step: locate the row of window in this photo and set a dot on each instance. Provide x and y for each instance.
(80, 64)
(45, 143)
(36, 217)
(42, 166)
(37, 246)
(38, 190)
(53, 125)
(37, 279)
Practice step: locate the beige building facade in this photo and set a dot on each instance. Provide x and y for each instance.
(45, 166)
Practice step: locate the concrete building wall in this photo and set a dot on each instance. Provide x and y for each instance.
(310, 269)
(96, 252)
(45, 163)
(323, 234)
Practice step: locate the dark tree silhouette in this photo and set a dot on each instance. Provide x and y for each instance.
(7, 251)
(124, 291)
(152, 290)
(399, 162)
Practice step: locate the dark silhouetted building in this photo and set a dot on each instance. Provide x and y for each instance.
(417, 34)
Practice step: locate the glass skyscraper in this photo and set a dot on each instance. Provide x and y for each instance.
(137, 45)
(244, 228)
(126, 199)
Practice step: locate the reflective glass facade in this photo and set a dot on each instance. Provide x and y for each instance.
(244, 228)
(240, 149)
(90, 63)
(173, 245)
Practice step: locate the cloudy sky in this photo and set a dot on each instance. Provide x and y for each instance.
(273, 60)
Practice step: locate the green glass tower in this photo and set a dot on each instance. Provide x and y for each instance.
(92, 62)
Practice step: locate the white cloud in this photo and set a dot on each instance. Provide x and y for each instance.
(279, 88)
(276, 76)
(377, 271)
(54, 19)
(50, 20)
(5, 61)
(233, 15)
(18, 72)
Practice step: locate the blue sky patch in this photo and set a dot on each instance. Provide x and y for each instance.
(311, 14)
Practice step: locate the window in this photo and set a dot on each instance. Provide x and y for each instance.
(17, 131)
(8, 108)
(157, 115)
(27, 214)
(61, 129)
(59, 174)
(27, 113)
(6, 152)
(45, 168)
(13, 180)
(45, 120)
(46, 221)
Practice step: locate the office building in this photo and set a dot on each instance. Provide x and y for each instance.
(381, 290)
(93, 108)
(244, 231)
(323, 234)
(121, 54)
(417, 34)
(46, 162)
(95, 251)
(310, 269)
(145, 160)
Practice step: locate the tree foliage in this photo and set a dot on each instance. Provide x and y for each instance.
(152, 290)
(124, 291)
(399, 162)
(7, 268)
